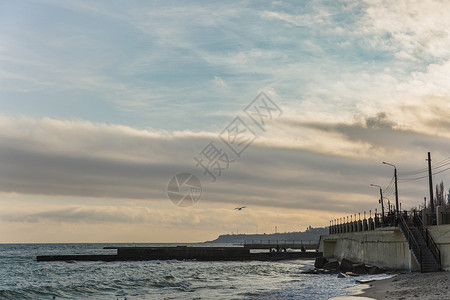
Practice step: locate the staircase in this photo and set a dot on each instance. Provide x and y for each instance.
(429, 263)
(421, 243)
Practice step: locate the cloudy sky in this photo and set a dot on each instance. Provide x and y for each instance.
(103, 102)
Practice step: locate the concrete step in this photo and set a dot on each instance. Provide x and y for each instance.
(429, 263)
(434, 266)
(431, 269)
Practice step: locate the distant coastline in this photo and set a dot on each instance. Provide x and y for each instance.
(311, 234)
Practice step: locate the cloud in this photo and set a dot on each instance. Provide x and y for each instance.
(220, 82)
(379, 121)
(156, 68)
(113, 107)
(137, 223)
(414, 30)
(82, 159)
(171, 219)
(108, 214)
(306, 20)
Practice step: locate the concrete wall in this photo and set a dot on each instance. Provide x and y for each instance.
(441, 235)
(383, 247)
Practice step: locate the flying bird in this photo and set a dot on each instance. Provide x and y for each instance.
(240, 208)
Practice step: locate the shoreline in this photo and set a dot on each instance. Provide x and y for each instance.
(413, 285)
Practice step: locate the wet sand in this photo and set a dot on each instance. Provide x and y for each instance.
(409, 286)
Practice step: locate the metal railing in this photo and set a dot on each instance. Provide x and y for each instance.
(404, 228)
(431, 244)
(445, 217)
(281, 242)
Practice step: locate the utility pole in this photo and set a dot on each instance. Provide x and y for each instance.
(396, 187)
(396, 190)
(382, 205)
(430, 181)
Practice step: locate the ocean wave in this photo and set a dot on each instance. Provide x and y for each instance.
(21, 277)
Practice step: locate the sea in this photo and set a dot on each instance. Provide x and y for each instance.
(22, 277)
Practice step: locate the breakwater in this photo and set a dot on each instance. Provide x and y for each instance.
(184, 253)
(267, 244)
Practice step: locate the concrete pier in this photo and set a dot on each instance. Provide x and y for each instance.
(281, 244)
(184, 253)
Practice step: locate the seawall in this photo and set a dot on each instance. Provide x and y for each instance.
(384, 247)
(441, 235)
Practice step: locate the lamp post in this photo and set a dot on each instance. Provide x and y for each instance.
(381, 201)
(396, 188)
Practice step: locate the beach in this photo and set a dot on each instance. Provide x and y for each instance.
(408, 286)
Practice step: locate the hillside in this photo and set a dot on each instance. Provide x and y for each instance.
(311, 234)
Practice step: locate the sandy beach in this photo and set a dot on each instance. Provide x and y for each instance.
(409, 286)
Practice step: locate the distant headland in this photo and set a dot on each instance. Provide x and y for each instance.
(311, 234)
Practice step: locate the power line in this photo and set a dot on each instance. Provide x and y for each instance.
(421, 177)
(389, 191)
(441, 164)
(413, 172)
(390, 188)
(437, 165)
(442, 171)
(390, 184)
(442, 161)
(413, 179)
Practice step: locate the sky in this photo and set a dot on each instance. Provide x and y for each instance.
(286, 107)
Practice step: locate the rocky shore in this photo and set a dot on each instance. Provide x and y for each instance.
(345, 268)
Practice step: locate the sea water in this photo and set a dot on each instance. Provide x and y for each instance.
(22, 277)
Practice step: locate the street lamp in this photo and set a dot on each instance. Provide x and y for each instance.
(396, 189)
(381, 201)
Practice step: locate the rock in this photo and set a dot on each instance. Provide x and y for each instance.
(351, 274)
(346, 265)
(375, 270)
(320, 262)
(365, 280)
(342, 275)
(359, 268)
(331, 265)
(320, 271)
(309, 271)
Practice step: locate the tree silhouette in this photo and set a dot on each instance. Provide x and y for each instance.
(440, 195)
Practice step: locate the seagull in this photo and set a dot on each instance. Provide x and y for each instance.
(240, 208)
